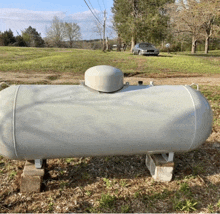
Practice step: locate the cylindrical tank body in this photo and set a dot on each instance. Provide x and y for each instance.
(58, 121)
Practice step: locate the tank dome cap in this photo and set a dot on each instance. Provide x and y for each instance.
(104, 78)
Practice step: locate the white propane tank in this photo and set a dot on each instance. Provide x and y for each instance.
(60, 121)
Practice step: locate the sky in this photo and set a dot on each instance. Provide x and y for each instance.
(20, 14)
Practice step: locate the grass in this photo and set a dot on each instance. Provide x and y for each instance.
(78, 61)
(212, 94)
(108, 183)
(125, 208)
(180, 195)
(107, 201)
(185, 205)
(183, 199)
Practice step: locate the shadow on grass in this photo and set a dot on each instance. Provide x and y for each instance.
(215, 54)
(155, 56)
(165, 55)
(68, 179)
(130, 170)
(85, 171)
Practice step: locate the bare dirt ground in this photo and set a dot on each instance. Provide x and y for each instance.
(118, 183)
(67, 78)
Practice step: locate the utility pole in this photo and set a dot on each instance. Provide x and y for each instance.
(107, 44)
(134, 13)
(104, 46)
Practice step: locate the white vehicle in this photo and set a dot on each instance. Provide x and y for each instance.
(145, 49)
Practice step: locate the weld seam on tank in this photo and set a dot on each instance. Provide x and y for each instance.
(14, 121)
(195, 116)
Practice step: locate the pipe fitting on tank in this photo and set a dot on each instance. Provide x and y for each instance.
(151, 83)
(196, 85)
(140, 82)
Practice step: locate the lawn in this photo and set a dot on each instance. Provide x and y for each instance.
(78, 61)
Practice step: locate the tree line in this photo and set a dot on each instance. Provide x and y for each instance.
(29, 38)
(167, 21)
(59, 34)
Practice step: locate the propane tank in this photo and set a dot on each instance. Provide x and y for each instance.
(102, 116)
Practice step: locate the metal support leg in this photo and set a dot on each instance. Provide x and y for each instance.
(168, 156)
(38, 163)
(160, 166)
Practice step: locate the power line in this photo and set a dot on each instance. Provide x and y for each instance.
(92, 12)
(93, 9)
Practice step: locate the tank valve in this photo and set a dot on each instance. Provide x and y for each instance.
(196, 85)
(140, 82)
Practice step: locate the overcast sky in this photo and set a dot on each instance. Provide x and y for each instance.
(20, 14)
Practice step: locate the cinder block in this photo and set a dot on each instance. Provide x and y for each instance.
(31, 178)
(160, 169)
(30, 169)
(30, 183)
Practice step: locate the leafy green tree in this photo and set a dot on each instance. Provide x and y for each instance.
(1, 40)
(20, 41)
(141, 20)
(8, 38)
(32, 38)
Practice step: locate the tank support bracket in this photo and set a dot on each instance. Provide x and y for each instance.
(160, 166)
(38, 163)
(168, 156)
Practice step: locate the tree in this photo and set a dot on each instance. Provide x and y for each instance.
(186, 18)
(55, 33)
(20, 41)
(140, 19)
(1, 39)
(60, 31)
(32, 38)
(8, 38)
(210, 10)
(123, 20)
(194, 17)
(71, 32)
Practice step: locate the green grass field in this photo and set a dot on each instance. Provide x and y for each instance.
(78, 61)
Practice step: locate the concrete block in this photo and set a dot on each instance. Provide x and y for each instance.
(160, 169)
(31, 178)
(30, 169)
(30, 183)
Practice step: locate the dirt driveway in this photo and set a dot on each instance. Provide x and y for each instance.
(68, 78)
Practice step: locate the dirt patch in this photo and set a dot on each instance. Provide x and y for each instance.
(132, 78)
(39, 78)
(175, 80)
